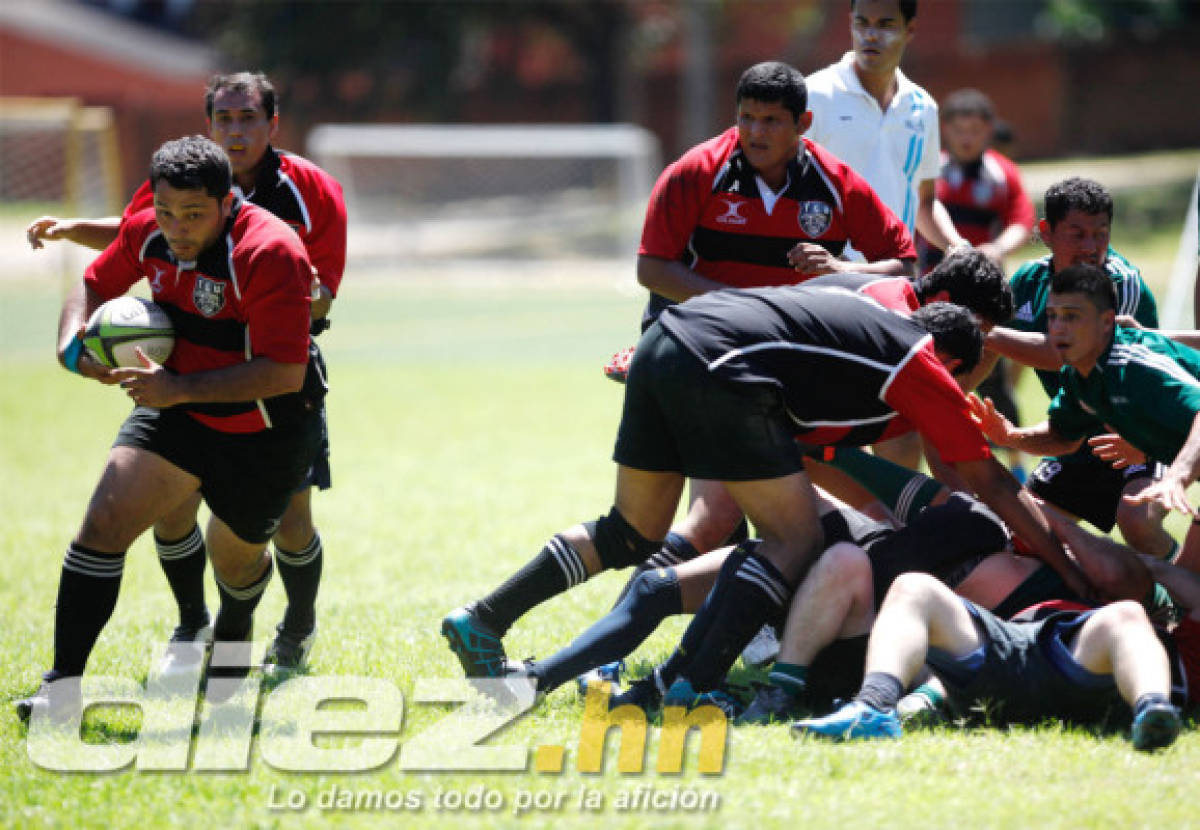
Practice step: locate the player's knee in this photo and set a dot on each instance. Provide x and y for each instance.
(1120, 616)
(617, 543)
(103, 530)
(914, 588)
(241, 570)
(842, 564)
(296, 528)
(1141, 526)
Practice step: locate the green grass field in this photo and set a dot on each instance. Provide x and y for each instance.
(470, 423)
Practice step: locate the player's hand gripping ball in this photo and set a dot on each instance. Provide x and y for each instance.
(124, 324)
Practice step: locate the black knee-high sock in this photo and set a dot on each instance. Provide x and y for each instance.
(555, 569)
(654, 597)
(87, 595)
(675, 550)
(754, 592)
(183, 562)
(236, 618)
(694, 635)
(300, 573)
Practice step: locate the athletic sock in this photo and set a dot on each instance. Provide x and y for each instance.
(791, 677)
(932, 693)
(183, 562)
(236, 617)
(654, 597)
(555, 569)
(300, 573)
(87, 595)
(1150, 699)
(675, 550)
(880, 690)
(749, 591)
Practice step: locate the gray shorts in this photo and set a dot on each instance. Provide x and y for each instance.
(1024, 672)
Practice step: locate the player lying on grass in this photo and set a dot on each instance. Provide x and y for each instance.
(1135, 382)
(1065, 662)
(234, 414)
(719, 388)
(950, 535)
(242, 116)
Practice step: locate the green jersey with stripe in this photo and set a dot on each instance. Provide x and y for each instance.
(1144, 386)
(1031, 287)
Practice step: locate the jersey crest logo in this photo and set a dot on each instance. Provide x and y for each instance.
(208, 296)
(731, 215)
(815, 218)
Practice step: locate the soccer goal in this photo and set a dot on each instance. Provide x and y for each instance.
(58, 155)
(57, 158)
(423, 194)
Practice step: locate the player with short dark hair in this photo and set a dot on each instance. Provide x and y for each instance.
(1076, 228)
(234, 413)
(885, 127)
(1136, 382)
(719, 388)
(759, 205)
(241, 109)
(245, 83)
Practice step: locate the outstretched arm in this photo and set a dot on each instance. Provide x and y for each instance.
(1036, 440)
(97, 234)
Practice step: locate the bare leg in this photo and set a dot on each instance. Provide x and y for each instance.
(1119, 640)
(904, 450)
(712, 516)
(918, 612)
(836, 600)
(1142, 524)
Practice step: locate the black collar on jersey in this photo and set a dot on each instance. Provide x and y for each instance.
(268, 172)
(747, 177)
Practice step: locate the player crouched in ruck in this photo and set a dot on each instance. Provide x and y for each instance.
(234, 414)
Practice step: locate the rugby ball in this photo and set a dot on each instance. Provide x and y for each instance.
(120, 325)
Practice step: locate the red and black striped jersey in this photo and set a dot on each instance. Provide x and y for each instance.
(850, 370)
(246, 296)
(707, 211)
(304, 196)
(982, 197)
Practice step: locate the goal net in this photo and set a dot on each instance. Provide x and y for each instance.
(57, 158)
(59, 155)
(426, 194)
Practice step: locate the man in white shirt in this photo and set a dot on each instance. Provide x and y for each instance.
(866, 112)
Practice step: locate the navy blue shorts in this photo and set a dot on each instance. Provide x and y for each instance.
(1024, 672)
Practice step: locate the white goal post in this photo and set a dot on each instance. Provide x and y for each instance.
(418, 194)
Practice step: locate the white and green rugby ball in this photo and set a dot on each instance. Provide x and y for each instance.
(123, 324)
